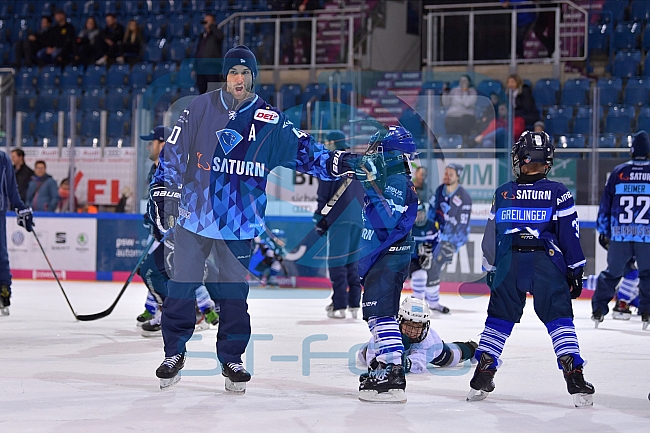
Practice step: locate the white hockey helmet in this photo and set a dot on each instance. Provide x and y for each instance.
(413, 318)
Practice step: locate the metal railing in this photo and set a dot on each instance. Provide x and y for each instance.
(571, 31)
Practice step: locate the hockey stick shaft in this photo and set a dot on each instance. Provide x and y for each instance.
(102, 314)
(38, 241)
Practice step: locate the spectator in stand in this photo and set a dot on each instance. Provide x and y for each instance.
(546, 22)
(539, 126)
(461, 106)
(525, 21)
(495, 135)
(420, 182)
(524, 101)
(23, 173)
(88, 48)
(302, 37)
(43, 192)
(26, 49)
(64, 194)
(59, 44)
(208, 53)
(111, 40)
(132, 44)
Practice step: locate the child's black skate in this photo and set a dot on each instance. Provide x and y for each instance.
(144, 317)
(5, 301)
(236, 377)
(645, 319)
(580, 389)
(597, 317)
(621, 311)
(169, 370)
(482, 383)
(384, 383)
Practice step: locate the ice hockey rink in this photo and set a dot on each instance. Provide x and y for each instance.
(59, 375)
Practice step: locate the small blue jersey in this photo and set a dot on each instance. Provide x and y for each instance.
(452, 212)
(624, 212)
(427, 233)
(9, 197)
(222, 158)
(543, 209)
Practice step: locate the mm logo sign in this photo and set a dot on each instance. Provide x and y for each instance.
(479, 177)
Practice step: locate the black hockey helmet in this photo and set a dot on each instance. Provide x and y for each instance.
(532, 147)
(640, 148)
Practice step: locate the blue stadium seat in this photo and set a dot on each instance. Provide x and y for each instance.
(614, 10)
(92, 8)
(27, 121)
(546, 92)
(576, 141)
(166, 70)
(160, 7)
(618, 121)
(610, 90)
(118, 124)
(118, 98)
(186, 76)
(575, 92)
(137, 7)
(625, 35)
(94, 76)
(486, 87)
(312, 92)
(25, 100)
(582, 121)
(640, 11)
(28, 141)
(436, 86)
(412, 121)
(598, 37)
(90, 125)
(266, 92)
(557, 121)
(20, 29)
(289, 94)
(26, 78)
(48, 77)
(72, 8)
(636, 91)
(70, 76)
(346, 88)
(645, 42)
(47, 100)
(178, 26)
(188, 91)
(154, 50)
(117, 75)
(92, 100)
(607, 141)
(46, 124)
(120, 142)
(178, 49)
(64, 99)
(643, 121)
(140, 75)
(626, 63)
(450, 142)
(154, 27)
(294, 114)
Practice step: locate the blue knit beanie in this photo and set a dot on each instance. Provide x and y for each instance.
(240, 55)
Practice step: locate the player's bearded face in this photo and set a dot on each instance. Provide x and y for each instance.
(239, 82)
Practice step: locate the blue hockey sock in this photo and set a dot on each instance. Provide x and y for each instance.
(590, 283)
(387, 339)
(493, 338)
(565, 340)
(150, 304)
(203, 300)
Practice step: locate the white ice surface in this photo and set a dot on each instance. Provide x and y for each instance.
(58, 375)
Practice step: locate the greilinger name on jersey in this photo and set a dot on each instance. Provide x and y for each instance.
(523, 215)
(235, 166)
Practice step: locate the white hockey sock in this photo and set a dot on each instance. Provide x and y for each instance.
(629, 289)
(150, 304)
(388, 339)
(432, 294)
(203, 299)
(419, 283)
(590, 283)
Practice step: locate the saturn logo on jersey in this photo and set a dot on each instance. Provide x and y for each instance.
(228, 139)
(267, 116)
(622, 176)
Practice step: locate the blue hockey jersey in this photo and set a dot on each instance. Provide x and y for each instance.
(544, 209)
(452, 212)
(624, 212)
(222, 157)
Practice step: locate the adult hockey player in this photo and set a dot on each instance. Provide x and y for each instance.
(532, 245)
(426, 236)
(627, 292)
(624, 228)
(9, 199)
(422, 345)
(386, 246)
(342, 226)
(451, 208)
(212, 178)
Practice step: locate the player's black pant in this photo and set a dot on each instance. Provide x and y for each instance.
(342, 261)
(618, 255)
(178, 320)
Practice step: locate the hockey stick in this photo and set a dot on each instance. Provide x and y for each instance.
(55, 276)
(91, 317)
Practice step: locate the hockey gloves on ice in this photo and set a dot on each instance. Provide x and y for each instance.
(25, 218)
(425, 255)
(163, 206)
(369, 169)
(603, 240)
(574, 278)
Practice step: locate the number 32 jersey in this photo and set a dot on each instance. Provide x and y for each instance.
(624, 212)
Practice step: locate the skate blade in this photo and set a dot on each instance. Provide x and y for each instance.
(645, 324)
(583, 400)
(166, 383)
(596, 322)
(149, 334)
(203, 326)
(476, 395)
(621, 316)
(4, 311)
(235, 387)
(390, 396)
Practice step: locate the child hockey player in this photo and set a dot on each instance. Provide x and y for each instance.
(266, 261)
(426, 236)
(531, 245)
(422, 345)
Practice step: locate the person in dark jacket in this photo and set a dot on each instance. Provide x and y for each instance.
(27, 48)
(87, 49)
(23, 173)
(524, 101)
(9, 200)
(43, 192)
(343, 227)
(59, 46)
(208, 53)
(131, 50)
(111, 38)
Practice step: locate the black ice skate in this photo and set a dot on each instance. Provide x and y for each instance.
(144, 317)
(384, 383)
(597, 317)
(482, 383)
(580, 389)
(621, 311)
(152, 328)
(169, 370)
(645, 318)
(236, 377)
(4, 300)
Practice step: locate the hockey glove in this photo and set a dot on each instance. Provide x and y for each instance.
(25, 218)
(489, 278)
(447, 251)
(406, 363)
(574, 278)
(163, 206)
(603, 240)
(365, 168)
(321, 224)
(425, 255)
